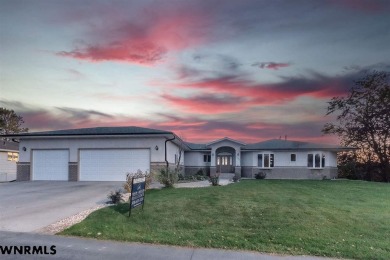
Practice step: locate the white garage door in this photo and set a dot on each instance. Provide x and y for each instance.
(112, 164)
(50, 165)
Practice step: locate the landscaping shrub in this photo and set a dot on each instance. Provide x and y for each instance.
(115, 197)
(260, 175)
(214, 180)
(199, 177)
(236, 178)
(199, 172)
(167, 177)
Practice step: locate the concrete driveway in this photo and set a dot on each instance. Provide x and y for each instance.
(29, 206)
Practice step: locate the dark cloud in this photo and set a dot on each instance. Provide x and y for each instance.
(271, 65)
(81, 114)
(208, 103)
(366, 6)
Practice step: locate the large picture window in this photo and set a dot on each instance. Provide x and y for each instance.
(315, 160)
(265, 160)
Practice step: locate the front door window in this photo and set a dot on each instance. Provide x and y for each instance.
(225, 163)
(224, 160)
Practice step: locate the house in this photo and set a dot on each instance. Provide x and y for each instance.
(108, 153)
(9, 156)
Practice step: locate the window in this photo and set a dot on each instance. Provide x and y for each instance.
(13, 157)
(315, 160)
(260, 160)
(310, 160)
(265, 160)
(293, 157)
(206, 158)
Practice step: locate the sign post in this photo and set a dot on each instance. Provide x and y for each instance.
(137, 193)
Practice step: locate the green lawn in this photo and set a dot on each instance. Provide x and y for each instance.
(348, 219)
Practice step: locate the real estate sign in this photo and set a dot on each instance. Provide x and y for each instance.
(137, 193)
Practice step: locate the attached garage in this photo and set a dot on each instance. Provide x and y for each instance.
(50, 165)
(112, 164)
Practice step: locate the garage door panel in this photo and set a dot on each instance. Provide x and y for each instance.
(50, 165)
(112, 164)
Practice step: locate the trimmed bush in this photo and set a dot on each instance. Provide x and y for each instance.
(214, 180)
(115, 197)
(260, 175)
(167, 177)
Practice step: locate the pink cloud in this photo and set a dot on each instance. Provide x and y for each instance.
(146, 41)
(143, 53)
(191, 128)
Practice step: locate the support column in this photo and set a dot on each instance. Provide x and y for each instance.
(73, 171)
(237, 171)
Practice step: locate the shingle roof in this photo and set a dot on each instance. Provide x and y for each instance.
(274, 144)
(193, 146)
(128, 130)
(277, 144)
(8, 146)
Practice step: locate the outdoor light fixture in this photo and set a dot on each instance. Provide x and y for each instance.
(156, 148)
(24, 149)
(238, 154)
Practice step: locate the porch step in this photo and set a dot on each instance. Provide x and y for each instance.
(226, 176)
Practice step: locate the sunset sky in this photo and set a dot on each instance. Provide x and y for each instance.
(249, 70)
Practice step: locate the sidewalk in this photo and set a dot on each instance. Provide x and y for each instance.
(224, 179)
(81, 248)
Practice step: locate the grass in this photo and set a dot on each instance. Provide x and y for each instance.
(348, 219)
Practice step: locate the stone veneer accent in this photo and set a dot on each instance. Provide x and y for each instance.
(73, 171)
(193, 170)
(291, 173)
(23, 172)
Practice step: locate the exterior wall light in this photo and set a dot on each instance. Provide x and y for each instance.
(156, 148)
(24, 149)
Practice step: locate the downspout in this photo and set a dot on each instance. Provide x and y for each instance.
(166, 160)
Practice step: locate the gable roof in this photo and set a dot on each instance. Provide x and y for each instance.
(128, 130)
(277, 144)
(8, 146)
(225, 139)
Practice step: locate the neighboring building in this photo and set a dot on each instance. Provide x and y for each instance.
(9, 156)
(108, 153)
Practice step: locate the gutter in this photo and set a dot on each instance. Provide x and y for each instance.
(166, 141)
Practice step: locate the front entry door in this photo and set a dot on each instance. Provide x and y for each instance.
(225, 164)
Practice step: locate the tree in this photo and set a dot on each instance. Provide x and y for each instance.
(10, 122)
(363, 120)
